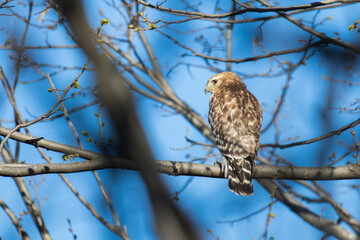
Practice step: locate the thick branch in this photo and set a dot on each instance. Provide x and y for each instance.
(168, 167)
(185, 169)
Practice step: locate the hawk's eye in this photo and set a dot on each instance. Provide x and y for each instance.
(215, 81)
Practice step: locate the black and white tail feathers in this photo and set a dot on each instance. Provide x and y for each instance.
(240, 175)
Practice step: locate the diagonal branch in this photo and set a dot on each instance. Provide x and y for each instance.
(29, 202)
(312, 31)
(327, 135)
(22, 233)
(343, 214)
(324, 224)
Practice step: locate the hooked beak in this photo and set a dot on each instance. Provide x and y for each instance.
(207, 89)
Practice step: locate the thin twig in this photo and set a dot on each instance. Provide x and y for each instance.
(327, 135)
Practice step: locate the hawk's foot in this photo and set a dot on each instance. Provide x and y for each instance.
(224, 166)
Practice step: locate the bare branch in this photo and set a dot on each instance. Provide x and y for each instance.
(343, 213)
(175, 168)
(28, 200)
(248, 59)
(32, 208)
(324, 224)
(327, 135)
(42, 47)
(320, 35)
(22, 233)
(245, 10)
(280, 102)
(50, 145)
(167, 167)
(249, 20)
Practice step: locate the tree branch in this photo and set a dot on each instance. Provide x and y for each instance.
(175, 168)
(248, 59)
(245, 10)
(312, 31)
(324, 224)
(327, 135)
(168, 167)
(50, 145)
(29, 202)
(22, 233)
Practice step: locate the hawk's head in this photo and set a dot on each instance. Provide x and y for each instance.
(218, 79)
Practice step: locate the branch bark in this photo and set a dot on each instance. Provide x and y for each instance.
(176, 168)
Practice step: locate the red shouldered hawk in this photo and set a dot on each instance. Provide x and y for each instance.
(235, 117)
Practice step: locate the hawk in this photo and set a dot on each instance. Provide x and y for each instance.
(235, 117)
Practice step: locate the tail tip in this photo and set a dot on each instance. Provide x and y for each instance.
(241, 189)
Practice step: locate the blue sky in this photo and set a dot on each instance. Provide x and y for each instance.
(205, 200)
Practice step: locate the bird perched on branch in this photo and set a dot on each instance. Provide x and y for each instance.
(235, 117)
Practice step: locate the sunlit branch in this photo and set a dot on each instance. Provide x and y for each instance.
(175, 168)
(168, 167)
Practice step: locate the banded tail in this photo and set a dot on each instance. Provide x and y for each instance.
(240, 176)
